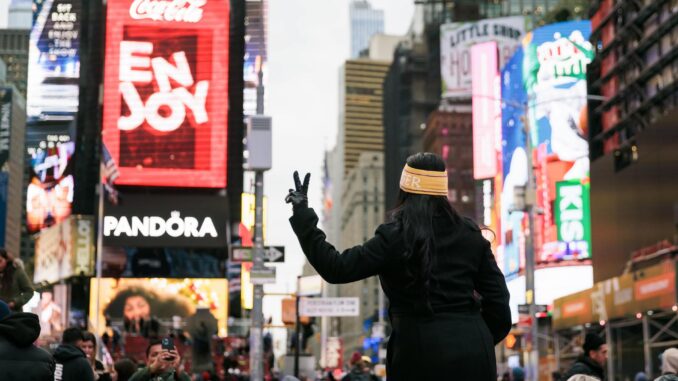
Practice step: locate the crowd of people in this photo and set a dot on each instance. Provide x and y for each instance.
(75, 357)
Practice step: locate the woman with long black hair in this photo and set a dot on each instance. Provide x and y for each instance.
(448, 301)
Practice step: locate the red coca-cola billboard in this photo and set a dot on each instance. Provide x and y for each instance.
(166, 91)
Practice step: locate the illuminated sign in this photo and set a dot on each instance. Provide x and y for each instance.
(140, 220)
(486, 109)
(573, 218)
(54, 60)
(166, 91)
(65, 250)
(248, 213)
(456, 41)
(169, 10)
(49, 195)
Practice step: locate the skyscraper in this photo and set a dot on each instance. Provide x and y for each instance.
(365, 22)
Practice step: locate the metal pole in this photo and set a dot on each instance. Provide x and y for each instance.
(647, 350)
(297, 333)
(256, 332)
(530, 192)
(100, 244)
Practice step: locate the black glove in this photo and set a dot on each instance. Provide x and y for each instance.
(299, 197)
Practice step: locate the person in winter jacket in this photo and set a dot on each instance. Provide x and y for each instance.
(592, 362)
(669, 365)
(448, 300)
(161, 365)
(15, 287)
(71, 361)
(19, 358)
(89, 346)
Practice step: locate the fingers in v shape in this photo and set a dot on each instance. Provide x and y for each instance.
(297, 182)
(307, 178)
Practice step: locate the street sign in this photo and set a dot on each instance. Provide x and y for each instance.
(265, 275)
(311, 285)
(330, 306)
(272, 254)
(538, 308)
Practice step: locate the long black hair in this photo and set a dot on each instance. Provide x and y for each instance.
(414, 215)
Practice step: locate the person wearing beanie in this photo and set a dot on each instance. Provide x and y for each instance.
(669, 365)
(19, 358)
(357, 372)
(592, 361)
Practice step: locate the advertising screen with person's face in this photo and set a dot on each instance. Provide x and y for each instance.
(131, 302)
(166, 91)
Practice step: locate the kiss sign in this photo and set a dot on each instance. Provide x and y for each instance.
(166, 92)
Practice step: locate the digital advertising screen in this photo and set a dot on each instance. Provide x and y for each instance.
(486, 109)
(128, 300)
(49, 194)
(166, 92)
(54, 60)
(554, 74)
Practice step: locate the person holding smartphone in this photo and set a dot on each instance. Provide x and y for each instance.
(162, 363)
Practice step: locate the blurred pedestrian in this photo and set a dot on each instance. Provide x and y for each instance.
(89, 346)
(592, 361)
(15, 287)
(517, 374)
(71, 362)
(125, 368)
(19, 358)
(357, 372)
(161, 365)
(430, 261)
(640, 376)
(669, 365)
(582, 377)
(368, 368)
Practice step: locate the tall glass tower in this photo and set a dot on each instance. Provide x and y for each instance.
(365, 22)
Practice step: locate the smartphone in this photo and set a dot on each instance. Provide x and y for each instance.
(167, 344)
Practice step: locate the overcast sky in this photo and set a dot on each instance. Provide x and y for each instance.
(308, 42)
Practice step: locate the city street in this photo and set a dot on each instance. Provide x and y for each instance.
(338, 190)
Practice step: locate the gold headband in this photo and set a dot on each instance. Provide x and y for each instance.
(420, 181)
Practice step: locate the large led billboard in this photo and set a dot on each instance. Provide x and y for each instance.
(456, 40)
(65, 250)
(54, 60)
(49, 195)
(166, 91)
(134, 300)
(544, 84)
(52, 109)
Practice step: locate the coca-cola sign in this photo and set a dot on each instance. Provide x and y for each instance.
(168, 10)
(166, 92)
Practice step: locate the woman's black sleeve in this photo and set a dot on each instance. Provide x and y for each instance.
(491, 286)
(354, 264)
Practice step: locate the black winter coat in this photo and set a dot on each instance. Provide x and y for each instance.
(586, 366)
(20, 360)
(72, 364)
(449, 335)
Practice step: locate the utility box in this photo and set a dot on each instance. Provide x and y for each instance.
(258, 146)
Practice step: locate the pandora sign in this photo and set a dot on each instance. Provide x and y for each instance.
(166, 91)
(140, 220)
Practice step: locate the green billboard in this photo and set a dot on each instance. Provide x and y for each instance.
(573, 217)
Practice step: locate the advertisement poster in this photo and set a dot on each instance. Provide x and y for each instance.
(54, 60)
(486, 109)
(49, 195)
(456, 40)
(514, 163)
(166, 92)
(137, 301)
(65, 250)
(554, 67)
